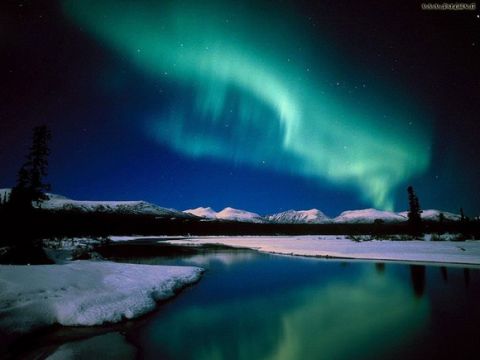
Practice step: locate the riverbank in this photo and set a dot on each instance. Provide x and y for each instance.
(83, 293)
(445, 252)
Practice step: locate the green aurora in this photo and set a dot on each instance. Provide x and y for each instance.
(260, 89)
(311, 322)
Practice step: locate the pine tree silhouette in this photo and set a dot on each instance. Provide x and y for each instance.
(441, 218)
(414, 213)
(38, 162)
(30, 186)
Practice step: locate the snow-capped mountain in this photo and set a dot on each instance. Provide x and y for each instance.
(368, 216)
(203, 212)
(228, 213)
(119, 207)
(57, 202)
(312, 216)
(239, 215)
(434, 215)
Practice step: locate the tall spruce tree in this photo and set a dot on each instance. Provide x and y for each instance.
(414, 213)
(30, 184)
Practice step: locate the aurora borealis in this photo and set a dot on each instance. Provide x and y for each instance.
(283, 114)
(254, 85)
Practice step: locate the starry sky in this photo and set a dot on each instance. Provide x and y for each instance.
(261, 105)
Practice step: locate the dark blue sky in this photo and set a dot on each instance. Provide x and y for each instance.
(99, 103)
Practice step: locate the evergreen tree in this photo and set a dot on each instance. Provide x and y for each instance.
(30, 186)
(414, 213)
(441, 218)
(462, 215)
(20, 197)
(38, 162)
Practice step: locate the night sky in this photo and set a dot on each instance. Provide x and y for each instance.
(259, 105)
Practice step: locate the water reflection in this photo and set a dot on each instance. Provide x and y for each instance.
(466, 276)
(444, 273)
(222, 257)
(417, 275)
(380, 268)
(341, 315)
(204, 259)
(345, 320)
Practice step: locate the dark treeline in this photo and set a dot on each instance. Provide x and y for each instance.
(43, 223)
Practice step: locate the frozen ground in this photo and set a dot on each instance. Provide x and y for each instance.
(84, 292)
(464, 252)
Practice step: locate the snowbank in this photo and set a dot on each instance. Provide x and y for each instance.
(84, 292)
(465, 252)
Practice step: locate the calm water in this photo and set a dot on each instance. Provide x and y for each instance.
(257, 306)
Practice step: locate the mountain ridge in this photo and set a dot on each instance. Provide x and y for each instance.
(57, 202)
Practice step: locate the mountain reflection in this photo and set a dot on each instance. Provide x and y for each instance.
(335, 317)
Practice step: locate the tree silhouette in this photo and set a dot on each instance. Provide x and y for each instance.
(441, 218)
(414, 213)
(38, 162)
(20, 197)
(30, 186)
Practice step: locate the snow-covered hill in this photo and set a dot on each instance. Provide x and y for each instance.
(203, 212)
(312, 216)
(434, 215)
(239, 215)
(228, 213)
(368, 216)
(58, 202)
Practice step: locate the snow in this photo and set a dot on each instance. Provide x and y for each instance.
(315, 216)
(4, 192)
(239, 215)
(84, 292)
(226, 214)
(120, 238)
(203, 212)
(312, 216)
(119, 207)
(57, 202)
(368, 216)
(434, 215)
(465, 252)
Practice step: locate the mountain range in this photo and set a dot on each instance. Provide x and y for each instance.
(313, 216)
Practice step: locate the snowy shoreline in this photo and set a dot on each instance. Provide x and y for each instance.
(84, 293)
(339, 247)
